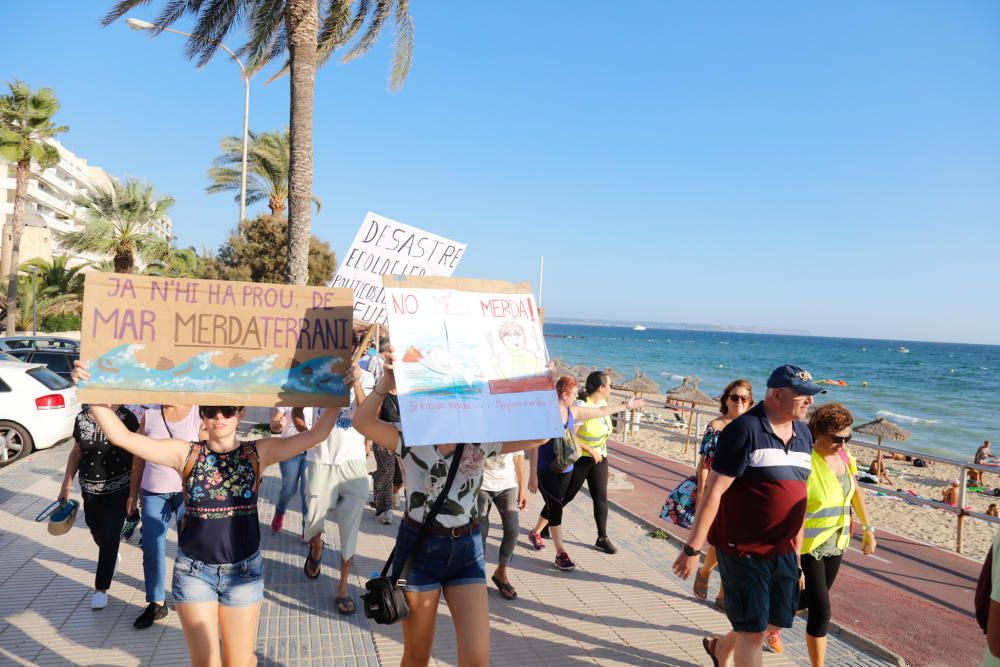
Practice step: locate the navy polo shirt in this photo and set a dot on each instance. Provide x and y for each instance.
(761, 512)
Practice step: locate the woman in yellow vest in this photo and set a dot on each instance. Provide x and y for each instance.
(831, 494)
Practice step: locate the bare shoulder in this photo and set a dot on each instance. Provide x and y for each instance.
(718, 423)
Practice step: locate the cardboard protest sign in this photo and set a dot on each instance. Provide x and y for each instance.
(470, 361)
(383, 246)
(150, 339)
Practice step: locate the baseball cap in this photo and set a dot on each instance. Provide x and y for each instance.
(797, 379)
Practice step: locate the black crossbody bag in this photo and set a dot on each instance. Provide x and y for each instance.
(384, 602)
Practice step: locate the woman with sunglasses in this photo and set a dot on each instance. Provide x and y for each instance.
(831, 494)
(218, 582)
(451, 555)
(736, 399)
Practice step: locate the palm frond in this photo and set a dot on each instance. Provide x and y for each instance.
(402, 56)
(266, 18)
(381, 13)
(214, 22)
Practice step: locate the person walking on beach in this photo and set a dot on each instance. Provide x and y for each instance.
(831, 494)
(592, 466)
(505, 487)
(736, 399)
(752, 511)
(157, 489)
(450, 557)
(105, 471)
(983, 457)
(553, 481)
(337, 478)
(285, 422)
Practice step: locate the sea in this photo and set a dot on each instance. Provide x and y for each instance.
(945, 394)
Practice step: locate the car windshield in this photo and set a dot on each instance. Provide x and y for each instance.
(48, 378)
(8, 357)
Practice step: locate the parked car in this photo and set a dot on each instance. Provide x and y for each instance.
(37, 409)
(37, 342)
(56, 359)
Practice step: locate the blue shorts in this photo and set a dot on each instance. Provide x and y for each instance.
(441, 561)
(760, 591)
(236, 585)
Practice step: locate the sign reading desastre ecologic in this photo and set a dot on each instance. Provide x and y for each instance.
(470, 361)
(386, 247)
(151, 339)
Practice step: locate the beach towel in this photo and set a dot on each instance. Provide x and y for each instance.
(680, 503)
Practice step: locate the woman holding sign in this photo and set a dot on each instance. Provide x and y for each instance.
(218, 580)
(450, 557)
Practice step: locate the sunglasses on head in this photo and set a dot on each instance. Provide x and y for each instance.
(210, 411)
(739, 398)
(840, 439)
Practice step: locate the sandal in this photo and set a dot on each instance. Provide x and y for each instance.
(700, 585)
(312, 567)
(709, 647)
(345, 606)
(506, 590)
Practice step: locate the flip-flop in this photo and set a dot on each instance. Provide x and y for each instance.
(312, 568)
(700, 586)
(506, 590)
(345, 606)
(707, 644)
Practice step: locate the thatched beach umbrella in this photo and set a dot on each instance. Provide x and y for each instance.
(614, 376)
(560, 368)
(638, 385)
(882, 428)
(580, 372)
(687, 394)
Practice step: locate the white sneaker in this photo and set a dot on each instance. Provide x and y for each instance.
(99, 601)
(118, 561)
(385, 517)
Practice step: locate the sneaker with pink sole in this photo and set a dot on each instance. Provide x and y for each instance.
(277, 522)
(563, 562)
(536, 540)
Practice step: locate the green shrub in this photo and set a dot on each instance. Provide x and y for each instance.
(61, 322)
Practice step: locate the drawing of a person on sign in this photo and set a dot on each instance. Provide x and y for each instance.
(515, 359)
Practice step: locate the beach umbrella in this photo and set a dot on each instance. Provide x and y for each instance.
(639, 384)
(882, 428)
(580, 372)
(613, 376)
(560, 368)
(687, 394)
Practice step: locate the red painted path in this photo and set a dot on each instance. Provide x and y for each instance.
(914, 599)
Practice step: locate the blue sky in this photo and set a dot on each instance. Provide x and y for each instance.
(832, 168)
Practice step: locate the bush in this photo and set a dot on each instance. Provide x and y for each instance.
(61, 322)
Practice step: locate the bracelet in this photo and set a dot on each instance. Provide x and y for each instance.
(868, 528)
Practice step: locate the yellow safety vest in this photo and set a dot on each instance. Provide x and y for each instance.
(594, 432)
(828, 510)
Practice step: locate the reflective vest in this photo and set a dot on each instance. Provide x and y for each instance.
(828, 510)
(594, 432)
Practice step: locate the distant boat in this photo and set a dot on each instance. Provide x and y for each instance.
(903, 350)
(638, 327)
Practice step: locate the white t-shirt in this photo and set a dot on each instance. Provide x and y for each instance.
(290, 423)
(344, 443)
(499, 473)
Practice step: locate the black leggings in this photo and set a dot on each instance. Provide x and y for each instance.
(596, 476)
(552, 486)
(105, 516)
(819, 576)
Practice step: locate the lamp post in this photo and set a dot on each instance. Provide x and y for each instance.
(138, 24)
(34, 301)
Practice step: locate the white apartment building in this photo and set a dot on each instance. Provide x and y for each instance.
(50, 211)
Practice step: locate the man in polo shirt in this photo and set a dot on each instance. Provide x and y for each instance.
(752, 511)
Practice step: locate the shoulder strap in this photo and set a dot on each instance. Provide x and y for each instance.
(431, 515)
(165, 424)
(193, 453)
(254, 459)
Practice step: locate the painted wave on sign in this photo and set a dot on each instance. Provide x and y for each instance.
(216, 371)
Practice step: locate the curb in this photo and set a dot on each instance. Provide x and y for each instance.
(835, 628)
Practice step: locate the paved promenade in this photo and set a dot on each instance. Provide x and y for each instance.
(626, 609)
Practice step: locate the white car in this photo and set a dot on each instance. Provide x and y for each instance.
(37, 409)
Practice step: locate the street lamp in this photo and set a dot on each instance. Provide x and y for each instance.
(34, 301)
(138, 24)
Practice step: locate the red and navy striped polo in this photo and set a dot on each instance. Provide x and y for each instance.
(761, 512)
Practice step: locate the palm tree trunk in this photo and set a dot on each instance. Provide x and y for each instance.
(17, 229)
(277, 206)
(302, 26)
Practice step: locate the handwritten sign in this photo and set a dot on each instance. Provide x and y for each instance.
(212, 342)
(471, 361)
(383, 247)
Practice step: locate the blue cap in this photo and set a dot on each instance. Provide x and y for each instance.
(797, 379)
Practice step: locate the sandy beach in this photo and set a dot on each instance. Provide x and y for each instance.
(660, 433)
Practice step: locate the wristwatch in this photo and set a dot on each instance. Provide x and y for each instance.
(690, 551)
(869, 529)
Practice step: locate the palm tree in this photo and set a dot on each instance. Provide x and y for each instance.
(118, 221)
(309, 37)
(45, 305)
(25, 124)
(57, 277)
(183, 263)
(268, 155)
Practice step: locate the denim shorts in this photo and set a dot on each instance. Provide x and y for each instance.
(231, 585)
(441, 561)
(760, 591)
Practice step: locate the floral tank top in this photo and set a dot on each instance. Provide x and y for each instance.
(220, 517)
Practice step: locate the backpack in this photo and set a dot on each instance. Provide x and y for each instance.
(984, 589)
(680, 503)
(565, 451)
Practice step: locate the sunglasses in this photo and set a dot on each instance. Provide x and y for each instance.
(738, 398)
(840, 439)
(210, 411)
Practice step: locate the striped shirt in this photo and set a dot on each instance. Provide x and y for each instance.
(762, 511)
